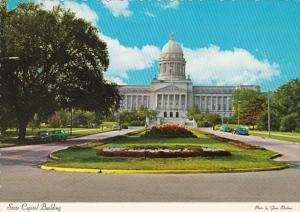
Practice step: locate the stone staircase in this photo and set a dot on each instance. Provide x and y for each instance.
(182, 121)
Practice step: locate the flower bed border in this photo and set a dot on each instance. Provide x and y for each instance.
(179, 153)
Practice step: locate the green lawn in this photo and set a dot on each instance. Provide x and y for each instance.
(85, 156)
(287, 136)
(10, 138)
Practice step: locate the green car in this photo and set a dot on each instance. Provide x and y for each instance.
(58, 135)
(241, 131)
(225, 128)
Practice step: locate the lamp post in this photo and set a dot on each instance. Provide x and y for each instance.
(71, 126)
(239, 113)
(269, 115)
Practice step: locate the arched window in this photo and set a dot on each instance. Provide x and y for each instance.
(165, 114)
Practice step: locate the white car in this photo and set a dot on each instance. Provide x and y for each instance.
(116, 127)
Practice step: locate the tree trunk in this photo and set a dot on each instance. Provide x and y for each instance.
(22, 131)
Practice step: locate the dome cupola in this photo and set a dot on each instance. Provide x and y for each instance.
(172, 62)
(172, 47)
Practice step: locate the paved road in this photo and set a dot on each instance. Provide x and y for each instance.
(21, 181)
(290, 151)
(39, 153)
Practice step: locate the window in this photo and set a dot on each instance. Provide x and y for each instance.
(145, 101)
(224, 102)
(129, 102)
(165, 114)
(202, 108)
(134, 102)
(139, 101)
(214, 103)
(219, 102)
(171, 114)
(229, 103)
(177, 114)
(208, 103)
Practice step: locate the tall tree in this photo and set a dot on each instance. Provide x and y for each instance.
(286, 105)
(248, 104)
(61, 65)
(193, 111)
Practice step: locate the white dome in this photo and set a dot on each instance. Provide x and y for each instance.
(172, 47)
(171, 61)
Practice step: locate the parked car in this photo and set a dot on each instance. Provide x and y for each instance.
(58, 135)
(225, 128)
(241, 131)
(116, 127)
(42, 136)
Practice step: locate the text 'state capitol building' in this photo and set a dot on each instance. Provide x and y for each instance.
(172, 92)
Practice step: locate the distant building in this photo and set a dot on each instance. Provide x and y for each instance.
(172, 93)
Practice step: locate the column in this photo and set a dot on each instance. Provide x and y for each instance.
(136, 102)
(217, 103)
(179, 101)
(131, 101)
(200, 103)
(162, 100)
(211, 103)
(185, 101)
(227, 102)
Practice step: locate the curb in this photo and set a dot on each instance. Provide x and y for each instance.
(60, 169)
(118, 171)
(52, 157)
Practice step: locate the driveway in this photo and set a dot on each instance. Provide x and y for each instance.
(22, 181)
(39, 153)
(290, 151)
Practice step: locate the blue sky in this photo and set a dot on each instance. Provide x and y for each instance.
(225, 42)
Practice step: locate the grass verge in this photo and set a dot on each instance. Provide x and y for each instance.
(10, 139)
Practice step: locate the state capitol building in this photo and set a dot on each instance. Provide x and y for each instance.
(172, 92)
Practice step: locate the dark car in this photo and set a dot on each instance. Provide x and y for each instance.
(225, 128)
(42, 136)
(241, 131)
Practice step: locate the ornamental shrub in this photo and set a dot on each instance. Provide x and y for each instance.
(169, 131)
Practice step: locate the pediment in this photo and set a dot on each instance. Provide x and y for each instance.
(171, 88)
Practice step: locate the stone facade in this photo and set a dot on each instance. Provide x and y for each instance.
(172, 93)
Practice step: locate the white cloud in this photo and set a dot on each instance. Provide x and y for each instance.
(118, 7)
(81, 10)
(214, 66)
(123, 59)
(169, 4)
(114, 79)
(205, 65)
(147, 13)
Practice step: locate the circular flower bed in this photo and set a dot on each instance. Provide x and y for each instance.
(169, 130)
(162, 153)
